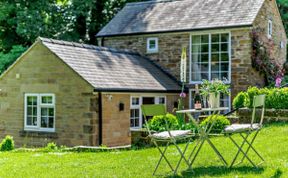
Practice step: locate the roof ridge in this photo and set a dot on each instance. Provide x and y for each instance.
(150, 2)
(86, 46)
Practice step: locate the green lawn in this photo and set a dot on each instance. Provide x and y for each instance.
(272, 143)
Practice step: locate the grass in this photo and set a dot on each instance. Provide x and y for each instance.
(272, 143)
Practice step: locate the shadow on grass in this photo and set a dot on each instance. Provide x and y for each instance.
(218, 171)
(277, 174)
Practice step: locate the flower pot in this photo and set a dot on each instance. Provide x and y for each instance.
(214, 100)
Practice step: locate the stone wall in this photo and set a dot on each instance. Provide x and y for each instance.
(270, 11)
(40, 71)
(271, 115)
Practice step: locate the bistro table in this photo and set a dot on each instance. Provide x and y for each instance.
(203, 132)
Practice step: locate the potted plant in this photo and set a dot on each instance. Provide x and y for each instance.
(212, 90)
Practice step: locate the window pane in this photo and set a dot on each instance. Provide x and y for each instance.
(196, 49)
(152, 44)
(44, 111)
(215, 38)
(224, 67)
(29, 111)
(135, 101)
(31, 100)
(215, 48)
(51, 111)
(136, 113)
(47, 99)
(215, 57)
(205, 76)
(34, 121)
(224, 47)
(204, 39)
(204, 68)
(51, 122)
(196, 39)
(215, 67)
(225, 37)
(29, 120)
(204, 57)
(224, 57)
(224, 76)
(204, 48)
(161, 100)
(136, 123)
(132, 123)
(44, 122)
(215, 75)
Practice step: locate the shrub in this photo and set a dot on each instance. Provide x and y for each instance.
(51, 147)
(276, 98)
(220, 122)
(7, 144)
(157, 123)
(241, 100)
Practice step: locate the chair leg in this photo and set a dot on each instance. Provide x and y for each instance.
(217, 152)
(199, 148)
(250, 146)
(240, 150)
(162, 156)
(182, 154)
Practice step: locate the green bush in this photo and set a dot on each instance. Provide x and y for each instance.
(220, 122)
(158, 124)
(7, 144)
(51, 147)
(241, 100)
(276, 98)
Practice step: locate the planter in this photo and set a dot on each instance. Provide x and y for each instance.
(214, 100)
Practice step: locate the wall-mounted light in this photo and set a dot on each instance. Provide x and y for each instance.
(121, 107)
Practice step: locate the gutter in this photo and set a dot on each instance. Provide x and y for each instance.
(100, 128)
(135, 90)
(174, 31)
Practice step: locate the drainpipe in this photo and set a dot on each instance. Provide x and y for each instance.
(100, 117)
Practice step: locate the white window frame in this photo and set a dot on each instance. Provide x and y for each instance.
(270, 28)
(228, 81)
(152, 50)
(39, 106)
(156, 101)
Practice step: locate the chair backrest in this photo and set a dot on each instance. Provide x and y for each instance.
(152, 110)
(258, 102)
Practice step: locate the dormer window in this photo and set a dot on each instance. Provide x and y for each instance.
(152, 45)
(270, 28)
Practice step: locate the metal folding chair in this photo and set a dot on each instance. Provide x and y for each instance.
(167, 137)
(246, 131)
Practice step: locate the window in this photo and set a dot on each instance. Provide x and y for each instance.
(136, 120)
(40, 112)
(270, 28)
(210, 57)
(152, 45)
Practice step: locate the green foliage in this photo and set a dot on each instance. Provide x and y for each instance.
(51, 147)
(220, 122)
(158, 123)
(7, 144)
(276, 98)
(240, 100)
(7, 59)
(215, 86)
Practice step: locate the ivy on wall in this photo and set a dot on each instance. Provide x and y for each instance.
(263, 61)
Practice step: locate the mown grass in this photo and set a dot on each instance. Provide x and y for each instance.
(272, 143)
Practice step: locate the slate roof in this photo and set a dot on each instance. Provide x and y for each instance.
(108, 69)
(181, 15)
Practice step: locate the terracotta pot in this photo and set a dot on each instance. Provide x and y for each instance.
(214, 100)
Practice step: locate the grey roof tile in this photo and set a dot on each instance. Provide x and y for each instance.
(110, 69)
(176, 15)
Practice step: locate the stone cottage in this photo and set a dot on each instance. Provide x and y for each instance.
(77, 94)
(217, 33)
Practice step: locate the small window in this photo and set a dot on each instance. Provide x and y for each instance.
(270, 28)
(40, 112)
(152, 45)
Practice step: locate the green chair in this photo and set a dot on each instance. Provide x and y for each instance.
(246, 130)
(167, 137)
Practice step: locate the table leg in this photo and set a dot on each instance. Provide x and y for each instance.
(196, 154)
